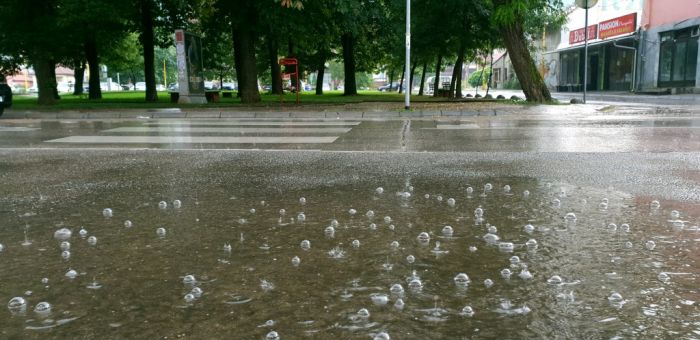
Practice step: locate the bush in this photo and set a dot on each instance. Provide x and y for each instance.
(474, 78)
(512, 84)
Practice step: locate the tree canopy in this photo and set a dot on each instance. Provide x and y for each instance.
(243, 39)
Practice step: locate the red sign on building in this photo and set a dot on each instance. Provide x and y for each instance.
(618, 26)
(577, 36)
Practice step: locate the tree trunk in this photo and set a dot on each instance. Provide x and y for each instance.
(148, 42)
(291, 53)
(45, 83)
(410, 81)
(403, 75)
(422, 78)
(246, 69)
(525, 69)
(488, 84)
(95, 92)
(348, 42)
(319, 79)
(79, 78)
(459, 66)
(436, 82)
(391, 79)
(275, 69)
(52, 68)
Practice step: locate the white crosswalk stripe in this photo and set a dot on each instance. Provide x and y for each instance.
(184, 133)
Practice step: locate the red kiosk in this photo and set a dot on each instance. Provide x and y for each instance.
(288, 62)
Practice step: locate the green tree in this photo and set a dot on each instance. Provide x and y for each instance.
(515, 19)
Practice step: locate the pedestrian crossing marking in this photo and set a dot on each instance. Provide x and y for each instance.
(191, 140)
(185, 129)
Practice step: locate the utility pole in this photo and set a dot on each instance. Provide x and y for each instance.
(407, 91)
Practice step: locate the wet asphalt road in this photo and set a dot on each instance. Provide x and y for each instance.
(641, 153)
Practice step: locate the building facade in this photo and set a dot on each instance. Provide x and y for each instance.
(634, 45)
(668, 46)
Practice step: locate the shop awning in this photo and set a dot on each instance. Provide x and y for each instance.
(594, 44)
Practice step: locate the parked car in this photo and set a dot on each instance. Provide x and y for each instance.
(5, 97)
(140, 86)
(389, 87)
(174, 87)
(229, 87)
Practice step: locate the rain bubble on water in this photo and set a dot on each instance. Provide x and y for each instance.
(625, 227)
(227, 247)
(664, 277)
(272, 335)
(650, 245)
(461, 280)
(189, 280)
(161, 232)
(17, 305)
(379, 191)
(556, 203)
(506, 273)
(381, 336)
(399, 304)
(2, 247)
(92, 240)
(62, 234)
(65, 254)
(394, 245)
(439, 198)
(128, 224)
(488, 187)
(373, 226)
(531, 244)
(529, 228)
(514, 259)
(71, 274)
(506, 188)
(410, 259)
(296, 261)
(370, 214)
(451, 202)
(447, 231)
(555, 280)
(470, 190)
(570, 217)
(42, 308)
(162, 205)
(189, 298)
(252, 211)
(488, 283)
(492, 229)
(391, 227)
(467, 311)
(301, 217)
(302, 200)
(526, 194)
(525, 274)
(396, 290)
(305, 244)
(506, 247)
(473, 249)
(65, 245)
(423, 238)
(329, 231)
(654, 204)
(612, 227)
(379, 299)
(387, 219)
(107, 212)
(675, 214)
(177, 204)
(352, 212)
(356, 243)
(82, 232)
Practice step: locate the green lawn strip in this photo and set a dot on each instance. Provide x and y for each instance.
(135, 100)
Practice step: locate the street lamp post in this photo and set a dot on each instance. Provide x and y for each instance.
(585, 4)
(407, 89)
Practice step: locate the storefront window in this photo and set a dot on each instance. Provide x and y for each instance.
(678, 58)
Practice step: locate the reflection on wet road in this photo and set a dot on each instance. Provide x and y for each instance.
(478, 134)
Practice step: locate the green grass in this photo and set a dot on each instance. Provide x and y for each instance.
(135, 100)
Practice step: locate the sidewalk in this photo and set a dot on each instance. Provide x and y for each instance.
(616, 97)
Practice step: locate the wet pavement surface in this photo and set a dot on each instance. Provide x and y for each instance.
(236, 198)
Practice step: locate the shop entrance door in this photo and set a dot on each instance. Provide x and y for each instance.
(593, 72)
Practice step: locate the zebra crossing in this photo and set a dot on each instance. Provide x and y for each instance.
(245, 133)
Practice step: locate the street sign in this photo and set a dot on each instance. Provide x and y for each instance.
(586, 4)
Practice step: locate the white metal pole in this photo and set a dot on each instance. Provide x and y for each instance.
(585, 57)
(407, 89)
